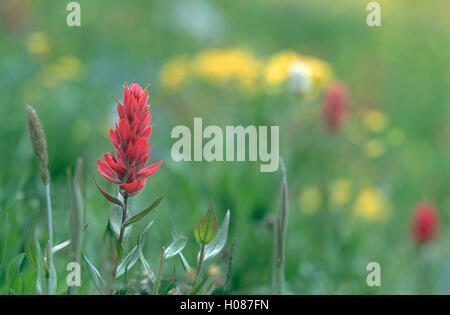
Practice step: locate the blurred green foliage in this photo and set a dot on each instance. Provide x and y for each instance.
(73, 75)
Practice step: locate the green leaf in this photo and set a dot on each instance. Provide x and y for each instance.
(182, 258)
(111, 244)
(95, 275)
(40, 287)
(144, 212)
(30, 247)
(216, 246)
(111, 255)
(176, 246)
(108, 196)
(206, 229)
(13, 276)
(79, 176)
(115, 219)
(13, 270)
(171, 285)
(128, 262)
(61, 246)
(51, 275)
(52, 279)
(144, 262)
(147, 228)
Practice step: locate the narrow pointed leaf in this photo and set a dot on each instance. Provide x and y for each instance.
(61, 246)
(147, 228)
(13, 269)
(216, 246)
(47, 254)
(52, 279)
(13, 277)
(95, 275)
(40, 288)
(144, 212)
(171, 286)
(51, 271)
(128, 262)
(176, 246)
(144, 262)
(30, 247)
(182, 258)
(145, 265)
(108, 196)
(111, 244)
(115, 219)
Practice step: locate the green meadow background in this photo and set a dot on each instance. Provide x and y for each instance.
(378, 166)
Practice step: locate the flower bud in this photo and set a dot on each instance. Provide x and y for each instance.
(39, 143)
(206, 230)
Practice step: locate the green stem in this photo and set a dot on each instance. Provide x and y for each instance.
(50, 232)
(199, 266)
(124, 217)
(280, 236)
(160, 269)
(50, 217)
(121, 235)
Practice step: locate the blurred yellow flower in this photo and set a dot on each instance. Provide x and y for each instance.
(173, 73)
(65, 68)
(70, 68)
(223, 66)
(37, 43)
(374, 148)
(310, 200)
(341, 192)
(375, 121)
(280, 65)
(395, 137)
(371, 205)
(320, 71)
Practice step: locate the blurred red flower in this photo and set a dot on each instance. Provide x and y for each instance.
(425, 222)
(335, 106)
(130, 139)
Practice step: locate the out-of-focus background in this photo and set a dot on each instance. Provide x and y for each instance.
(352, 191)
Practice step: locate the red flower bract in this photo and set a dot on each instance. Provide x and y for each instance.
(425, 222)
(130, 139)
(335, 106)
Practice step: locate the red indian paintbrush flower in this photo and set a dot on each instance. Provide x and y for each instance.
(425, 222)
(130, 139)
(335, 106)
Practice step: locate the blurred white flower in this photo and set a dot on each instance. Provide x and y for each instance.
(300, 80)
